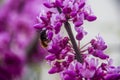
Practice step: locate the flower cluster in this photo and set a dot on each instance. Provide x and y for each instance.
(60, 55)
(91, 70)
(62, 60)
(64, 55)
(97, 48)
(61, 11)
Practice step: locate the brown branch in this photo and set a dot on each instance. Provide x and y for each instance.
(71, 36)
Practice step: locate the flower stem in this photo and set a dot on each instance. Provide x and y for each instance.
(71, 36)
(85, 45)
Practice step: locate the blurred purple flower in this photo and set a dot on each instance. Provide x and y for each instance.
(18, 40)
(11, 66)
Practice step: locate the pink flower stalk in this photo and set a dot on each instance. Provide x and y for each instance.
(66, 58)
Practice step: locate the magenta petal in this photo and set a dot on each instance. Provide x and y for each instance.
(79, 36)
(101, 55)
(50, 57)
(58, 27)
(115, 76)
(78, 23)
(50, 34)
(48, 5)
(91, 18)
(52, 70)
(81, 5)
(38, 26)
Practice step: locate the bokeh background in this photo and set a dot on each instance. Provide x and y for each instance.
(107, 25)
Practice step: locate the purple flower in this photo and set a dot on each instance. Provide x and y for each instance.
(52, 4)
(60, 54)
(98, 43)
(72, 72)
(57, 27)
(11, 66)
(115, 76)
(97, 48)
(18, 40)
(4, 41)
(88, 14)
(89, 67)
(80, 33)
(4, 74)
(62, 11)
(99, 74)
(78, 21)
(78, 71)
